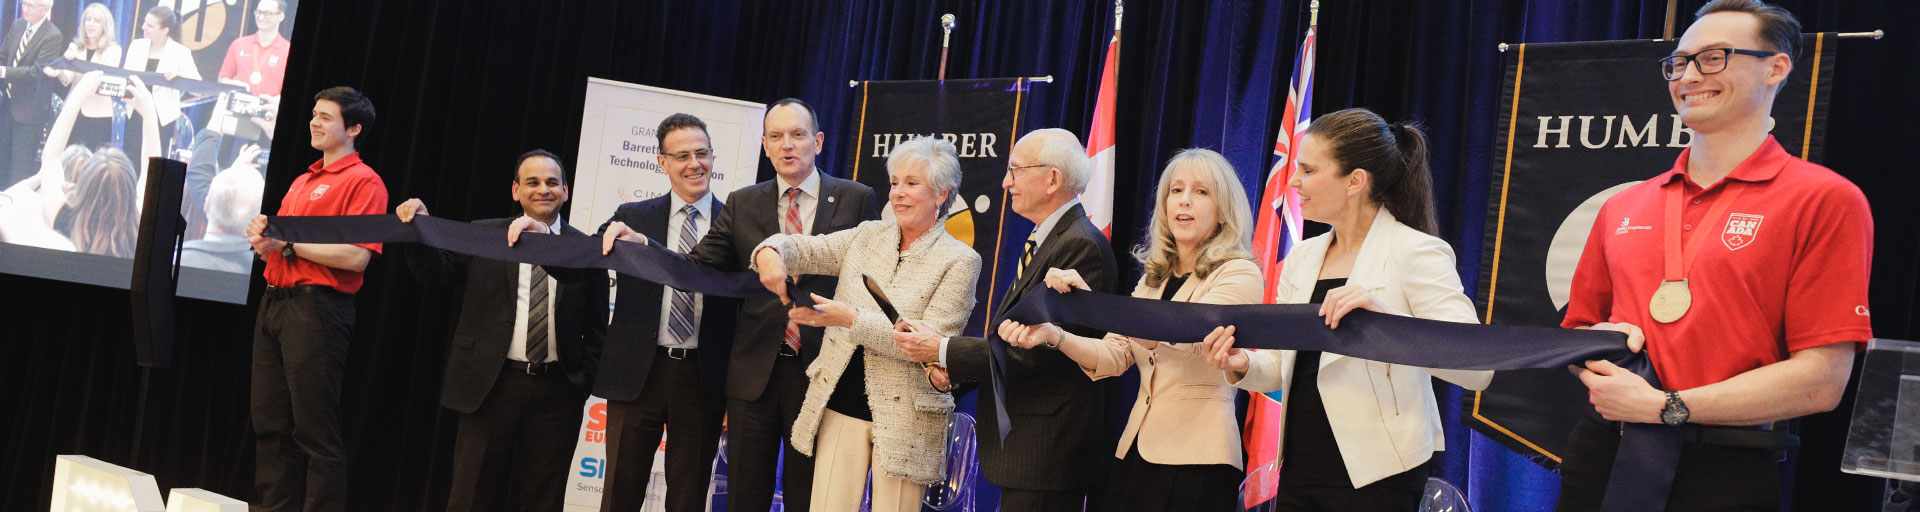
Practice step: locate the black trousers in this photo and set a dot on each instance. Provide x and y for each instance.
(1137, 485)
(1029, 500)
(1400, 492)
(670, 398)
(757, 433)
(1709, 478)
(24, 142)
(299, 357)
(520, 439)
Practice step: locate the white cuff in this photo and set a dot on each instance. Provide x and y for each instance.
(943, 352)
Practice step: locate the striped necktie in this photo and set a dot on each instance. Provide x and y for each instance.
(680, 315)
(1026, 255)
(21, 52)
(537, 320)
(790, 224)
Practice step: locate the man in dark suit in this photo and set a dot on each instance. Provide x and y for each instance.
(31, 43)
(767, 378)
(667, 364)
(1055, 453)
(522, 359)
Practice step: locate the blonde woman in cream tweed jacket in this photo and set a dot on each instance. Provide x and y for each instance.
(933, 280)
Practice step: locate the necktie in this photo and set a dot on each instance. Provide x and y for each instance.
(680, 316)
(25, 39)
(537, 316)
(1026, 255)
(791, 225)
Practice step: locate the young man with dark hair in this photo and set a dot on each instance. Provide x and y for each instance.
(306, 317)
(1756, 301)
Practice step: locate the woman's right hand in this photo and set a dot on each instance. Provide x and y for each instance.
(773, 272)
(1065, 280)
(74, 53)
(1218, 346)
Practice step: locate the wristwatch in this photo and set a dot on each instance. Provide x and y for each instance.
(286, 251)
(1675, 413)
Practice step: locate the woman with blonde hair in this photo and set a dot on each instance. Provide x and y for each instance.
(1181, 447)
(96, 43)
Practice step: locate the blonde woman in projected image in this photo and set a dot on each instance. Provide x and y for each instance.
(1181, 446)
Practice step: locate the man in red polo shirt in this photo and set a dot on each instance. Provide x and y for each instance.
(259, 62)
(1749, 292)
(306, 318)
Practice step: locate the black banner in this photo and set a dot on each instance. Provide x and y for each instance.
(982, 119)
(1578, 123)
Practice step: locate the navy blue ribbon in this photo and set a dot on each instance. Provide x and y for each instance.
(178, 83)
(639, 260)
(1643, 467)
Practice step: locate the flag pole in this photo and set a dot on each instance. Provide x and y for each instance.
(946, 36)
(1314, 10)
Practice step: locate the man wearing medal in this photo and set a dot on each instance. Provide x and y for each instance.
(1749, 294)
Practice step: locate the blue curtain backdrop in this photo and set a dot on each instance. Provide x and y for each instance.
(462, 87)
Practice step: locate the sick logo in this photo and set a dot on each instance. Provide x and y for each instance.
(1741, 229)
(317, 192)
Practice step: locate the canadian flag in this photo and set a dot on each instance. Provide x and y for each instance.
(1098, 198)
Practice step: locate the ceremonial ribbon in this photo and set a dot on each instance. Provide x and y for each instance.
(1643, 468)
(178, 83)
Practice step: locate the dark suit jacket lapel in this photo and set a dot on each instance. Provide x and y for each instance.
(829, 202)
(1042, 259)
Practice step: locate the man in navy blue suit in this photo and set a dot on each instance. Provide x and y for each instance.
(667, 361)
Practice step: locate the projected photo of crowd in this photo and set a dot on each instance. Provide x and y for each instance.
(92, 89)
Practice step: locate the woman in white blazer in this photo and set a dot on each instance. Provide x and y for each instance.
(867, 405)
(157, 52)
(1359, 434)
(1181, 447)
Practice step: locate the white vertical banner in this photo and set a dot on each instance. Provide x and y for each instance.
(618, 165)
(618, 146)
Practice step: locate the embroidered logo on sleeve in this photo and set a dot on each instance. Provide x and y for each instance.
(1741, 230)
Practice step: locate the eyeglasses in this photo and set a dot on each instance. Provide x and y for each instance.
(265, 14)
(1015, 171)
(1708, 61)
(705, 155)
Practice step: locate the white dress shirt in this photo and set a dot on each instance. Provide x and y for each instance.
(809, 201)
(1039, 239)
(518, 350)
(676, 220)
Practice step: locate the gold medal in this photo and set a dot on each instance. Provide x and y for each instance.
(1671, 301)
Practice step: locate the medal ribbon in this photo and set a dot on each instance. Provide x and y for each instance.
(1679, 264)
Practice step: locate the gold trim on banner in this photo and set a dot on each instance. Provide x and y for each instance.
(1506, 178)
(1813, 92)
(860, 146)
(1496, 426)
(1499, 234)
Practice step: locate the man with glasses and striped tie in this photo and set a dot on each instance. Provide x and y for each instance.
(667, 363)
(522, 358)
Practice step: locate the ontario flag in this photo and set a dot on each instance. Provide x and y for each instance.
(1275, 232)
(1098, 198)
